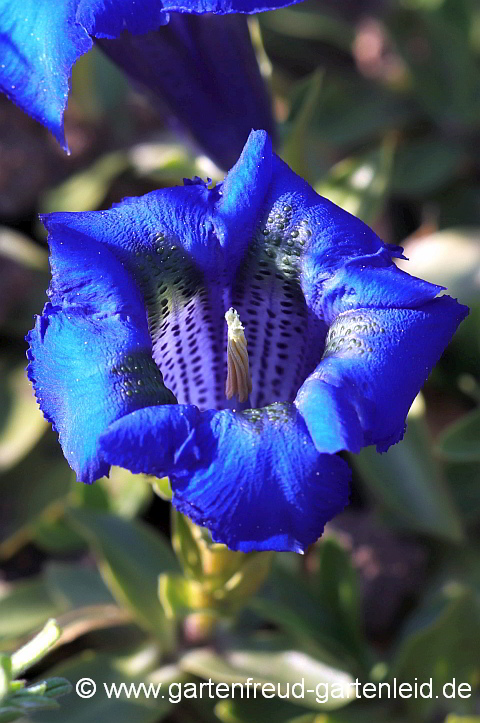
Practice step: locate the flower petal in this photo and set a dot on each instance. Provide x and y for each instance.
(371, 281)
(39, 43)
(330, 415)
(181, 247)
(110, 18)
(343, 264)
(222, 7)
(335, 236)
(90, 351)
(244, 193)
(375, 363)
(167, 244)
(182, 215)
(205, 70)
(253, 478)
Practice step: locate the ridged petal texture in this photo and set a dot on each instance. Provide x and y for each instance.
(339, 344)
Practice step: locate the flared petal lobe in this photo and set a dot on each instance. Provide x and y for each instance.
(375, 363)
(254, 478)
(110, 18)
(91, 352)
(39, 43)
(224, 7)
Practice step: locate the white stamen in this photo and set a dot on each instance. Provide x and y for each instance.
(239, 381)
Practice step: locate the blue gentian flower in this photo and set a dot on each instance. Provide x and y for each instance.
(205, 70)
(234, 338)
(199, 68)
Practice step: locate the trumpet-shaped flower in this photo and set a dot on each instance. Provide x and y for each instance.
(234, 338)
(199, 66)
(204, 69)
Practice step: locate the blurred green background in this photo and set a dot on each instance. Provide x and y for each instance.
(378, 106)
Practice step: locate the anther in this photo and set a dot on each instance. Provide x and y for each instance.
(239, 381)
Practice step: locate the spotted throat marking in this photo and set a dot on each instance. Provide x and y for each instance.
(239, 381)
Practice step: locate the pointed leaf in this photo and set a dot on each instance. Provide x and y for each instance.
(33, 486)
(36, 649)
(106, 670)
(339, 590)
(294, 151)
(10, 713)
(74, 586)
(319, 686)
(21, 422)
(131, 557)
(5, 675)
(441, 643)
(460, 442)
(408, 482)
(24, 607)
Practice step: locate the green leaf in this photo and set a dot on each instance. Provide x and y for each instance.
(166, 161)
(302, 23)
(131, 558)
(36, 649)
(76, 586)
(21, 422)
(290, 602)
(179, 596)
(442, 65)
(5, 675)
(464, 484)
(86, 190)
(92, 497)
(266, 660)
(261, 710)
(459, 205)
(37, 484)
(54, 687)
(10, 713)
(33, 703)
(441, 643)
(355, 112)
(460, 442)
(295, 146)
(19, 248)
(24, 607)
(338, 589)
(422, 166)
(23, 265)
(99, 87)
(186, 541)
(128, 494)
(106, 670)
(409, 484)
(161, 487)
(53, 534)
